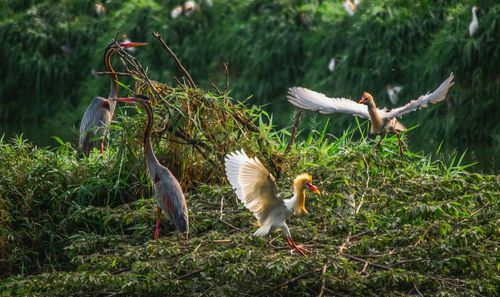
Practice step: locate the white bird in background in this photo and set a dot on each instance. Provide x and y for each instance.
(349, 7)
(256, 188)
(176, 11)
(474, 24)
(100, 9)
(392, 92)
(331, 65)
(357, 2)
(383, 120)
(189, 7)
(127, 40)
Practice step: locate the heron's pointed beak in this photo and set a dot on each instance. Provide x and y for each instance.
(132, 44)
(125, 99)
(313, 188)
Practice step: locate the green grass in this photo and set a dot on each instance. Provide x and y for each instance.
(77, 226)
(269, 46)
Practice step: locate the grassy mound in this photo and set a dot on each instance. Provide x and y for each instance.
(383, 225)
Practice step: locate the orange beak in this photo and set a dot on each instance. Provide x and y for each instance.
(313, 188)
(132, 44)
(137, 98)
(125, 99)
(362, 100)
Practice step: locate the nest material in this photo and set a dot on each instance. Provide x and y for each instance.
(195, 129)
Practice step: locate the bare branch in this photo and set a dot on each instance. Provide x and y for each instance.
(174, 56)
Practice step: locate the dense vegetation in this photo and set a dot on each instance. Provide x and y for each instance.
(50, 47)
(384, 225)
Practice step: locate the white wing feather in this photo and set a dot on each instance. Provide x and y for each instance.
(311, 100)
(253, 184)
(437, 96)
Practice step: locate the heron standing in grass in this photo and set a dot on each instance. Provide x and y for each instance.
(256, 188)
(168, 192)
(383, 120)
(100, 111)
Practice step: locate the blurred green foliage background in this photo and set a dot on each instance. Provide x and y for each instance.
(50, 49)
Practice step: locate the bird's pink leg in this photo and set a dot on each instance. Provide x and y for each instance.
(292, 244)
(380, 141)
(158, 218)
(102, 147)
(400, 143)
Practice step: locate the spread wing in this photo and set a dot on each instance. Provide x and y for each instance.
(437, 96)
(253, 184)
(311, 100)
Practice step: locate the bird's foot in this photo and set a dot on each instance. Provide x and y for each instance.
(302, 249)
(293, 245)
(401, 151)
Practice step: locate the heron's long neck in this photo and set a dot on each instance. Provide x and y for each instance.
(474, 16)
(375, 117)
(113, 90)
(149, 155)
(299, 200)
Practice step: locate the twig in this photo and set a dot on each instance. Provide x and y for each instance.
(360, 234)
(364, 261)
(221, 207)
(179, 83)
(226, 74)
(174, 56)
(189, 274)
(366, 186)
(128, 59)
(449, 281)
(230, 225)
(221, 241)
(251, 126)
(405, 261)
(120, 270)
(289, 282)
(339, 214)
(298, 118)
(323, 280)
(364, 268)
(344, 244)
(117, 73)
(416, 289)
(475, 213)
(420, 238)
(217, 89)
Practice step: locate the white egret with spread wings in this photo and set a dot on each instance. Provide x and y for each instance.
(256, 188)
(383, 120)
